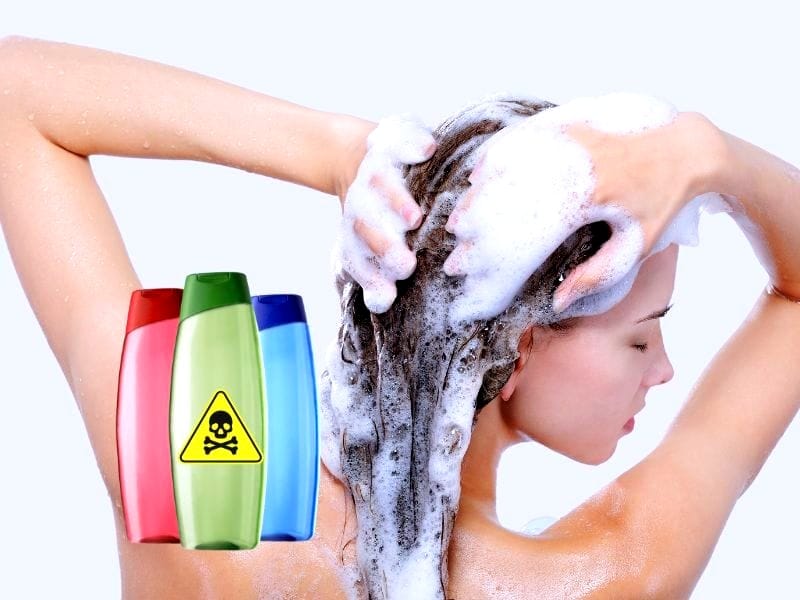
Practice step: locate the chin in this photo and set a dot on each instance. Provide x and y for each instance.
(594, 456)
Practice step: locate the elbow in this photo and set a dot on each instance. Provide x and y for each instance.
(9, 45)
(11, 39)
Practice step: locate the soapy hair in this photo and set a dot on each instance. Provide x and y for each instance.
(412, 384)
(447, 171)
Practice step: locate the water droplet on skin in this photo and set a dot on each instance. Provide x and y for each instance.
(30, 117)
(6, 92)
(146, 145)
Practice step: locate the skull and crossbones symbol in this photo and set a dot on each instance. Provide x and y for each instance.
(220, 424)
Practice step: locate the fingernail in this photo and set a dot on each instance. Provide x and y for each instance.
(558, 305)
(564, 296)
(413, 216)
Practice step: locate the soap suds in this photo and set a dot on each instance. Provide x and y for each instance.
(535, 185)
(402, 384)
(396, 141)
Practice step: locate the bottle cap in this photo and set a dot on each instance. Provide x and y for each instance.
(278, 309)
(204, 291)
(150, 306)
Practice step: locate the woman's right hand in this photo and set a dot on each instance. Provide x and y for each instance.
(377, 210)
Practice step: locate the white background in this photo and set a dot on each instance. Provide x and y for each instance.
(736, 66)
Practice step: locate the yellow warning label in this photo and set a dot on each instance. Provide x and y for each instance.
(220, 436)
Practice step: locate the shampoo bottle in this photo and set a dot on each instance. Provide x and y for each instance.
(143, 454)
(292, 485)
(218, 415)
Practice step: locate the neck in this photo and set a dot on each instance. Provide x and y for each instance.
(491, 436)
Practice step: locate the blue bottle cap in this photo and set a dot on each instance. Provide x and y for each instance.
(278, 309)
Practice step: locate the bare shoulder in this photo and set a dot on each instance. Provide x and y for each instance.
(629, 539)
(576, 557)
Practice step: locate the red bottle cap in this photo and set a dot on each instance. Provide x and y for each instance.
(149, 306)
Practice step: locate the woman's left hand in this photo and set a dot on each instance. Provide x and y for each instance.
(637, 183)
(378, 209)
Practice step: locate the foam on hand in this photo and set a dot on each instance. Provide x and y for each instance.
(535, 187)
(396, 141)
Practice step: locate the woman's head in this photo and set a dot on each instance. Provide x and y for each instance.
(403, 388)
(573, 391)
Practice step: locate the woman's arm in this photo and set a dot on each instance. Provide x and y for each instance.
(60, 103)
(668, 511)
(92, 101)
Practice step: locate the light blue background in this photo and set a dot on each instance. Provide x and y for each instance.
(738, 66)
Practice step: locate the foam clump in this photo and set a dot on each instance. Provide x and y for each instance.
(396, 141)
(534, 187)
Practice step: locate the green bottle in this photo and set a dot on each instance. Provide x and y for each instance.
(218, 415)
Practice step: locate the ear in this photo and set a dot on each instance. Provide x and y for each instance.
(524, 350)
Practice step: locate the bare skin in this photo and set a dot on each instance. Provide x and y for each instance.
(67, 103)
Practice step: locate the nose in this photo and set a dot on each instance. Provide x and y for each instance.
(661, 370)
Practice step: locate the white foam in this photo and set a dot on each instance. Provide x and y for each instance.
(397, 140)
(535, 184)
(511, 236)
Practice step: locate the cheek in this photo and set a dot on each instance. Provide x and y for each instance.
(575, 395)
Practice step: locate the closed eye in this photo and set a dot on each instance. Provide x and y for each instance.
(641, 347)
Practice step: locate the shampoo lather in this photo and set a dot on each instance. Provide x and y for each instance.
(218, 415)
(143, 454)
(292, 485)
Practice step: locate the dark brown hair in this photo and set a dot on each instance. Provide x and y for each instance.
(401, 370)
(448, 170)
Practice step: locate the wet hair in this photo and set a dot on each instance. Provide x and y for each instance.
(448, 170)
(415, 385)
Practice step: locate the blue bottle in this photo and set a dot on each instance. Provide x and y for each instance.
(292, 482)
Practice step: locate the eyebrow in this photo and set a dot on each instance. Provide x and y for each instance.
(655, 315)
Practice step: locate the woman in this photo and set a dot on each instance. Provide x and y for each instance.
(623, 542)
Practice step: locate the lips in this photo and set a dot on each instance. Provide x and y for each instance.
(629, 425)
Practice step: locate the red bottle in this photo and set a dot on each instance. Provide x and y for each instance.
(143, 396)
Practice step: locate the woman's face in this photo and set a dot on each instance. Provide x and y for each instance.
(578, 388)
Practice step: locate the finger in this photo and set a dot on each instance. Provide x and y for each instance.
(419, 144)
(600, 271)
(377, 242)
(379, 292)
(399, 261)
(476, 170)
(403, 137)
(462, 206)
(457, 262)
(567, 292)
(396, 260)
(399, 198)
(379, 299)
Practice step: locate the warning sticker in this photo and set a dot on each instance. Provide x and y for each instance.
(220, 436)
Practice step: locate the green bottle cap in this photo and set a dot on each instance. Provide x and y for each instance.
(204, 291)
